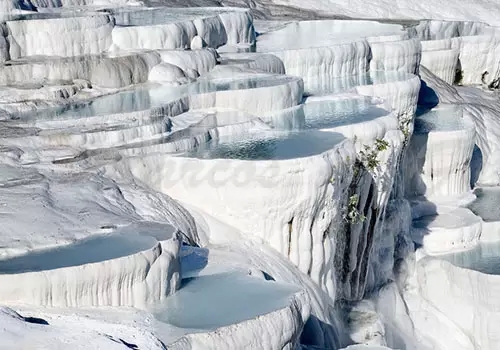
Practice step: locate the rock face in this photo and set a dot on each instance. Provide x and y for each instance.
(76, 36)
(149, 276)
(134, 265)
(440, 153)
(172, 160)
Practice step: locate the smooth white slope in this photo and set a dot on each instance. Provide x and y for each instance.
(28, 329)
(483, 10)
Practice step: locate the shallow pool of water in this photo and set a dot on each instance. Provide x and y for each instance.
(85, 251)
(267, 145)
(330, 114)
(151, 96)
(487, 203)
(326, 114)
(212, 301)
(485, 258)
(449, 118)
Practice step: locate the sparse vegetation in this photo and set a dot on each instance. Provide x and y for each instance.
(405, 129)
(368, 159)
(369, 155)
(353, 215)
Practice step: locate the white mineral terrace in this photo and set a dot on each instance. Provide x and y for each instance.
(284, 176)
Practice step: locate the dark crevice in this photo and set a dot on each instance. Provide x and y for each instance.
(35, 320)
(290, 229)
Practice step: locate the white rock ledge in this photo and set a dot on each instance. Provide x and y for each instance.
(76, 36)
(134, 280)
(291, 203)
(468, 298)
(458, 229)
(438, 161)
(146, 30)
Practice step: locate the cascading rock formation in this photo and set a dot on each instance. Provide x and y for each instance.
(273, 177)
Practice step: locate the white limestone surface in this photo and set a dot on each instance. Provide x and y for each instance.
(72, 278)
(216, 29)
(484, 205)
(396, 55)
(264, 93)
(442, 63)
(124, 71)
(482, 108)
(197, 62)
(168, 73)
(335, 60)
(478, 58)
(294, 228)
(26, 327)
(4, 45)
(401, 96)
(365, 119)
(436, 45)
(261, 62)
(324, 33)
(438, 160)
(484, 11)
(457, 229)
(444, 286)
(45, 259)
(365, 347)
(75, 36)
(235, 250)
(434, 29)
(276, 330)
(106, 70)
(296, 190)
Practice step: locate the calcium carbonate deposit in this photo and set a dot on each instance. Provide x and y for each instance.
(250, 175)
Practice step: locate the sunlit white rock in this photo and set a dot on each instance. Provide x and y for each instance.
(168, 73)
(482, 108)
(444, 286)
(458, 229)
(201, 61)
(27, 39)
(396, 55)
(438, 160)
(478, 58)
(442, 63)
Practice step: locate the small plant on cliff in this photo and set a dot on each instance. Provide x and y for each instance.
(369, 155)
(405, 129)
(353, 215)
(367, 160)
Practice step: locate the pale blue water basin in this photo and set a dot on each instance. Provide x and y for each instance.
(487, 203)
(330, 114)
(124, 241)
(485, 258)
(212, 301)
(326, 114)
(443, 118)
(267, 145)
(151, 96)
